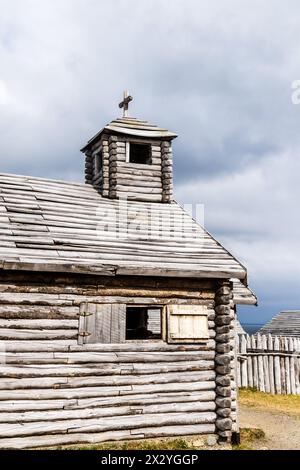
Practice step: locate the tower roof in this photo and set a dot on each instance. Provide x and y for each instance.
(132, 127)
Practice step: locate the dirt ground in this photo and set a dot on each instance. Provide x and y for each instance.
(282, 430)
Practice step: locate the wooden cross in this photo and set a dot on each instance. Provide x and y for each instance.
(125, 103)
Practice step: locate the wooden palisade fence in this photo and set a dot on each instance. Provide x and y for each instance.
(269, 363)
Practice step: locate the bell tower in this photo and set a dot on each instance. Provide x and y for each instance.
(131, 158)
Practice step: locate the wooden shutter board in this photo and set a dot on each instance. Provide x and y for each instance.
(118, 330)
(102, 323)
(182, 319)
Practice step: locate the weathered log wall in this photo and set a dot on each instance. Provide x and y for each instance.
(53, 391)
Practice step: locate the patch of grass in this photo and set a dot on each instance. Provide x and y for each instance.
(249, 437)
(157, 444)
(252, 434)
(289, 404)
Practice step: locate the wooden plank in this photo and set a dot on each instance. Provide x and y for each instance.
(282, 366)
(266, 365)
(278, 387)
(249, 364)
(292, 368)
(102, 324)
(244, 371)
(261, 377)
(271, 365)
(287, 368)
(238, 365)
(118, 323)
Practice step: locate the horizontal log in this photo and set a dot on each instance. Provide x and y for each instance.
(39, 324)
(89, 403)
(17, 334)
(64, 346)
(93, 438)
(135, 182)
(89, 392)
(39, 345)
(93, 413)
(133, 196)
(137, 172)
(138, 166)
(38, 311)
(138, 361)
(107, 424)
(72, 377)
(137, 189)
(70, 283)
(132, 357)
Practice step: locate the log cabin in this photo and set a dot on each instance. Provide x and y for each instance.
(117, 310)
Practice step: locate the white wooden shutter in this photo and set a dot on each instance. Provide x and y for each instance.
(187, 323)
(102, 323)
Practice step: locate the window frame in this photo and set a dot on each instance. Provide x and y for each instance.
(160, 307)
(137, 142)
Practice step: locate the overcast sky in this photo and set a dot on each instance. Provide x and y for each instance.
(218, 73)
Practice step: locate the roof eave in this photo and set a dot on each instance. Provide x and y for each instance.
(145, 135)
(115, 270)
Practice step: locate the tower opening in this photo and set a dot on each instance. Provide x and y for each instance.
(140, 153)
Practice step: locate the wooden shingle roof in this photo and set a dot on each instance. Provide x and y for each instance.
(49, 225)
(132, 127)
(286, 323)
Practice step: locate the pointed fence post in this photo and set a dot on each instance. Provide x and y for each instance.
(271, 364)
(278, 387)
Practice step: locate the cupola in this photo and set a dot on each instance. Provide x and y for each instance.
(131, 158)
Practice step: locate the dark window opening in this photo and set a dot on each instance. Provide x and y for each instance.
(143, 323)
(98, 163)
(140, 153)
